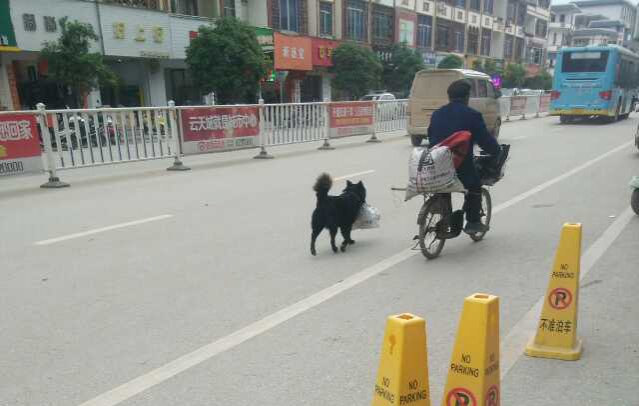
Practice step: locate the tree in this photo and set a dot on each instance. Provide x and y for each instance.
(541, 81)
(72, 65)
(478, 66)
(514, 76)
(400, 69)
(357, 69)
(451, 62)
(228, 60)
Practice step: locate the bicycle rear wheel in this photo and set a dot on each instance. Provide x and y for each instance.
(433, 212)
(485, 213)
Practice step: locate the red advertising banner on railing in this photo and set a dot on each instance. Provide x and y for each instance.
(19, 145)
(350, 118)
(518, 105)
(219, 128)
(544, 103)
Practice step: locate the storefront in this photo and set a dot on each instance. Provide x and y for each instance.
(292, 61)
(8, 45)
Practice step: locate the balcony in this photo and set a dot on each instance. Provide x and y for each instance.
(160, 5)
(560, 26)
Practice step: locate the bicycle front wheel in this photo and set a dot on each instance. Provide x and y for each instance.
(485, 214)
(430, 245)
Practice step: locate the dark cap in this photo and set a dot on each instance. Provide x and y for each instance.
(459, 90)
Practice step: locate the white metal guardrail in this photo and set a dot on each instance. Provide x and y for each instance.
(92, 137)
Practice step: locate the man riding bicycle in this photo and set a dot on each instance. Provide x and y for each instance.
(457, 116)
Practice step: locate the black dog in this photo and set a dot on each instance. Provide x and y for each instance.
(335, 212)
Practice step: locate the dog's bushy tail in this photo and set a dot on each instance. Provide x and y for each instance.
(322, 185)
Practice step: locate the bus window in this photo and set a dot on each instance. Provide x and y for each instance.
(590, 61)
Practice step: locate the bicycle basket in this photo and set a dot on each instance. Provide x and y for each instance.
(491, 172)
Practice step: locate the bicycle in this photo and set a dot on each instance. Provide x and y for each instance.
(438, 222)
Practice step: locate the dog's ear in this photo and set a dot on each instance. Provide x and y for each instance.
(360, 183)
(349, 183)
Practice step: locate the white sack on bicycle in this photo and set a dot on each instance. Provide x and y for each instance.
(367, 218)
(433, 170)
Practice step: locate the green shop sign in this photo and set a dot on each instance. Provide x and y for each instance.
(7, 36)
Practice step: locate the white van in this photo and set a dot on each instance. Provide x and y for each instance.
(428, 93)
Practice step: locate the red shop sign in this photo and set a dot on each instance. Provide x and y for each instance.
(323, 51)
(19, 145)
(219, 128)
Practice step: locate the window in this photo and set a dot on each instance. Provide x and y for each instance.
(326, 18)
(406, 32)
(536, 56)
(519, 49)
(488, 6)
(424, 31)
(460, 3)
(475, 5)
(382, 24)
(491, 90)
(554, 38)
(481, 88)
(562, 18)
(356, 13)
(577, 61)
(508, 47)
(228, 8)
(473, 88)
(485, 43)
(473, 41)
(581, 42)
(552, 18)
(459, 41)
(442, 36)
(541, 29)
(511, 11)
(289, 15)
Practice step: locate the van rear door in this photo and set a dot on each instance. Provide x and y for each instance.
(428, 94)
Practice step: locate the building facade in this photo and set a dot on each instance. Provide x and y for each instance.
(144, 41)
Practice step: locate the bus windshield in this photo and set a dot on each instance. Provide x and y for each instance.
(584, 61)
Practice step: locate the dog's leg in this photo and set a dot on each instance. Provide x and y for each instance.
(346, 234)
(314, 235)
(333, 234)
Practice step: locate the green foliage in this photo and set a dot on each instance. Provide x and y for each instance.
(514, 76)
(357, 69)
(488, 67)
(70, 62)
(399, 71)
(451, 62)
(227, 60)
(542, 81)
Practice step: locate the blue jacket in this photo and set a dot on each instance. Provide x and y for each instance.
(455, 117)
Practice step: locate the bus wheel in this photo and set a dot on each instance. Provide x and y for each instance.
(565, 119)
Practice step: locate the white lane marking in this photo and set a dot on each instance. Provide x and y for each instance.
(103, 229)
(167, 371)
(352, 175)
(512, 347)
(521, 137)
(551, 182)
(187, 361)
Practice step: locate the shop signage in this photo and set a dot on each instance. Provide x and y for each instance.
(19, 145)
(323, 51)
(214, 129)
(351, 118)
(292, 53)
(7, 35)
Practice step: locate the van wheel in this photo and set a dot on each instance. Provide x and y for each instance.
(416, 140)
(497, 129)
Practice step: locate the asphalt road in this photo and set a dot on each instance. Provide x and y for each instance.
(137, 286)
